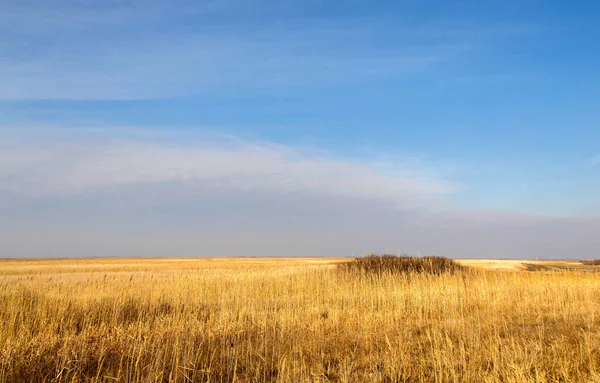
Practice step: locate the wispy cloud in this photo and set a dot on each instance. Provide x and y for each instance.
(204, 63)
(594, 161)
(75, 168)
(99, 193)
(33, 16)
(202, 66)
(136, 50)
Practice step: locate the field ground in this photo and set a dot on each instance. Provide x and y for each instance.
(136, 265)
(525, 264)
(296, 320)
(161, 265)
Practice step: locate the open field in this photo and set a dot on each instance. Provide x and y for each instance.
(512, 264)
(296, 320)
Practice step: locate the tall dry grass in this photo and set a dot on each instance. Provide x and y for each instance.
(298, 323)
(373, 264)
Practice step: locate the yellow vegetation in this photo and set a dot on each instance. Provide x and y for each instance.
(292, 320)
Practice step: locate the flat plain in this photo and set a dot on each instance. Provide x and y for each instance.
(296, 320)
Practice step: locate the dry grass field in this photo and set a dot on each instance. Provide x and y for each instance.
(296, 320)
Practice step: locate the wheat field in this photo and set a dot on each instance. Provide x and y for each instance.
(293, 320)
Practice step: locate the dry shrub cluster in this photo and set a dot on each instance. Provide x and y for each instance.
(300, 324)
(373, 264)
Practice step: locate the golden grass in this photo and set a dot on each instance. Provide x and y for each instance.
(527, 264)
(292, 320)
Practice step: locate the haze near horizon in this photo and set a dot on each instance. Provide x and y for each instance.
(299, 128)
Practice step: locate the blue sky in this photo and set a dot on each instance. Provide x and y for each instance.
(478, 116)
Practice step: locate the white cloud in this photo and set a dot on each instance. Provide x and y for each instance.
(83, 167)
(216, 61)
(92, 194)
(34, 16)
(119, 50)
